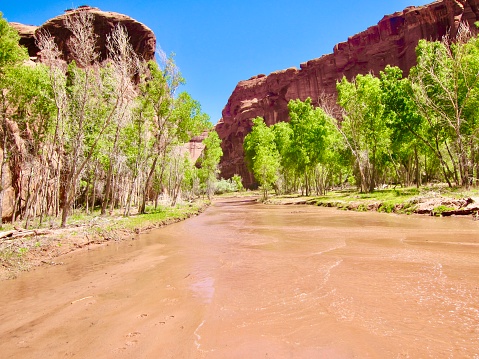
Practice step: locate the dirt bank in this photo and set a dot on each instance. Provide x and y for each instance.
(432, 204)
(22, 250)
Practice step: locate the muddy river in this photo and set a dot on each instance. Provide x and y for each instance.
(245, 280)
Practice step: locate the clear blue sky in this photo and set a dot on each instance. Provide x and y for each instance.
(220, 42)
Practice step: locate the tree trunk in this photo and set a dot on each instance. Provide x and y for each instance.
(2, 189)
(418, 174)
(106, 196)
(444, 167)
(65, 212)
(142, 208)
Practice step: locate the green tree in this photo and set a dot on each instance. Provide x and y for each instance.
(29, 100)
(408, 140)
(136, 142)
(363, 127)
(445, 85)
(157, 105)
(11, 53)
(262, 155)
(335, 157)
(308, 133)
(124, 65)
(209, 162)
(172, 120)
(286, 181)
(11, 56)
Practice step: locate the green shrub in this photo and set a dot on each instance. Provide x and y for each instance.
(225, 186)
(387, 207)
(238, 182)
(408, 207)
(362, 208)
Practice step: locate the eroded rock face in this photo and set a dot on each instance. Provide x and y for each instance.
(392, 41)
(27, 37)
(457, 9)
(141, 37)
(195, 147)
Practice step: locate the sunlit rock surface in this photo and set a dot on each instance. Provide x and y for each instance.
(392, 41)
(141, 37)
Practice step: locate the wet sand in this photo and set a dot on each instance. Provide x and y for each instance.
(246, 280)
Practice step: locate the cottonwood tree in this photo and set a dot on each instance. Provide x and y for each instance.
(191, 122)
(335, 157)
(88, 100)
(30, 103)
(308, 133)
(412, 135)
(52, 58)
(445, 85)
(124, 65)
(156, 104)
(287, 179)
(405, 125)
(173, 120)
(136, 142)
(209, 162)
(363, 128)
(11, 56)
(178, 164)
(262, 156)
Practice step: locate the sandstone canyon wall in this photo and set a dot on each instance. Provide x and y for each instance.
(392, 41)
(141, 37)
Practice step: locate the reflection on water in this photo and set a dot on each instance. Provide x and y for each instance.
(204, 288)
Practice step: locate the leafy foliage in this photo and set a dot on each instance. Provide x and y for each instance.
(389, 129)
(262, 155)
(92, 134)
(209, 161)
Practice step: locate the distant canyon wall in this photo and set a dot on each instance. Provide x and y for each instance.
(392, 41)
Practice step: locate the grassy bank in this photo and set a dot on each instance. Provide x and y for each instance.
(436, 200)
(22, 249)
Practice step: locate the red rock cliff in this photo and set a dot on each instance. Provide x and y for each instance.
(392, 41)
(141, 37)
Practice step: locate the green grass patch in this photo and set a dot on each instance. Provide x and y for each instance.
(439, 210)
(160, 215)
(386, 200)
(151, 218)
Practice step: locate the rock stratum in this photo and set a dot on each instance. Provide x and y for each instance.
(141, 37)
(391, 42)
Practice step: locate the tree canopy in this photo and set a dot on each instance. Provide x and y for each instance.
(91, 134)
(390, 129)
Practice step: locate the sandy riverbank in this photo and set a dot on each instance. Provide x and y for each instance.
(22, 250)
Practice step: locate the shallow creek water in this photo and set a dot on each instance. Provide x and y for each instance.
(246, 280)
